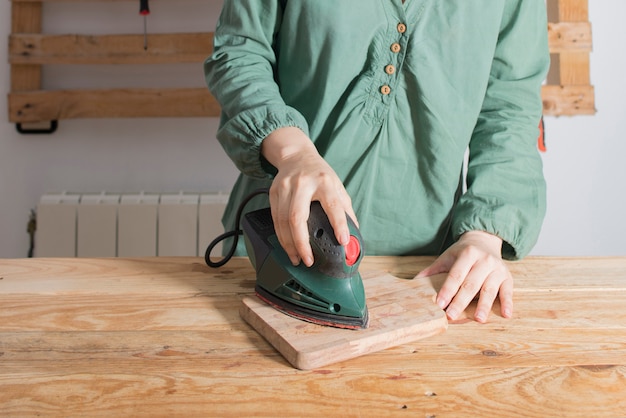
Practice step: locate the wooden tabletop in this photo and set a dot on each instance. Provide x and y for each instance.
(163, 337)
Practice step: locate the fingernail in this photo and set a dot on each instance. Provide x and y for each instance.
(345, 238)
(441, 303)
(308, 261)
(452, 313)
(295, 260)
(508, 313)
(480, 316)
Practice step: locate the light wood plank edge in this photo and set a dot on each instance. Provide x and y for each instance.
(42, 105)
(568, 100)
(569, 36)
(109, 49)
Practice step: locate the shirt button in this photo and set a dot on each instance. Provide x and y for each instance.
(390, 69)
(401, 27)
(395, 47)
(385, 90)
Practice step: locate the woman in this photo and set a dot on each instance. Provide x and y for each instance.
(369, 106)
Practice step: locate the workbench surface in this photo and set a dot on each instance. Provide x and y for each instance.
(163, 337)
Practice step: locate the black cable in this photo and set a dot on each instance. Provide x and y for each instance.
(234, 233)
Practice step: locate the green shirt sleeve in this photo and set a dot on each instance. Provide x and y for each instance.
(241, 75)
(506, 191)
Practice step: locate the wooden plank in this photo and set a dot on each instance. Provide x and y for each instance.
(574, 69)
(166, 387)
(566, 36)
(25, 17)
(113, 103)
(573, 10)
(505, 344)
(568, 100)
(109, 49)
(154, 311)
(41, 277)
(400, 311)
(184, 276)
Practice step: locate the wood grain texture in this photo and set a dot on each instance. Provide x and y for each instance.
(26, 48)
(26, 17)
(568, 36)
(163, 337)
(400, 311)
(573, 10)
(568, 100)
(45, 105)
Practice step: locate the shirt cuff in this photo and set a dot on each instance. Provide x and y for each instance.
(513, 245)
(242, 135)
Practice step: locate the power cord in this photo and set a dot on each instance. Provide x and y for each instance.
(234, 233)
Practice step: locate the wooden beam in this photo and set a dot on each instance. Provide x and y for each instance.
(569, 91)
(112, 103)
(573, 10)
(25, 17)
(568, 36)
(109, 49)
(568, 100)
(572, 67)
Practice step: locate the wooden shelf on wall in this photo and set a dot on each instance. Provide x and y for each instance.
(567, 92)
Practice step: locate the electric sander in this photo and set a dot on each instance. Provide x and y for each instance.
(330, 292)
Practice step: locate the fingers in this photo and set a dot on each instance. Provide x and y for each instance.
(337, 217)
(506, 298)
(291, 209)
(474, 272)
(303, 176)
(290, 223)
(459, 289)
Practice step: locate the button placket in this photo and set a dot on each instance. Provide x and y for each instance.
(396, 48)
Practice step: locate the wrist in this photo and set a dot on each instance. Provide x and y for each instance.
(487, 239)
(284, 144)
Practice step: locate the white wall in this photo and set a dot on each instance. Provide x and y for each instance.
(583, 165)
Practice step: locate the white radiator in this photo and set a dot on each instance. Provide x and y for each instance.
(128, 225)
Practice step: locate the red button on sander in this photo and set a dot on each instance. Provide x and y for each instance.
(353, 251)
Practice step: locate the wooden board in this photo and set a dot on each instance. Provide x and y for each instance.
(400, 311)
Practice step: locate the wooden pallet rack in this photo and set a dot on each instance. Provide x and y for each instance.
(567, 92)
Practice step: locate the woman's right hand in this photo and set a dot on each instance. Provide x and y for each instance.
(303, 176)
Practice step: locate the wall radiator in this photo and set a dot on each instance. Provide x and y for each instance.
(128, 225)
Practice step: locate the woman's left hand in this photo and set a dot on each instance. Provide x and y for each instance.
(474, 265)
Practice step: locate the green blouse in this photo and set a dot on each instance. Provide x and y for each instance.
(393, 95)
